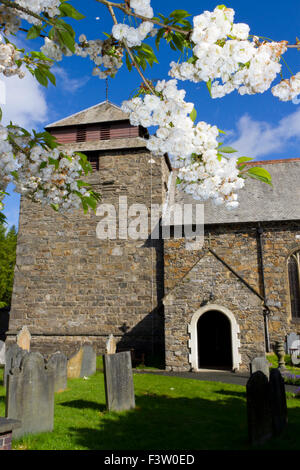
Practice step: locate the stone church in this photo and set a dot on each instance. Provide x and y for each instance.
(214, 306)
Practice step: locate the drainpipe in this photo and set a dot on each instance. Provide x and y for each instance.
(266, 312)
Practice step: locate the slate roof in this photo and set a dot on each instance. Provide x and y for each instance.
(101, 112)
(258, 201)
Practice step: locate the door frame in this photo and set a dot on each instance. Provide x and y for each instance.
(193, 341)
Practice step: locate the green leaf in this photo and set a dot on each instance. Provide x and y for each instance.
(260, 174)
(68, 10)
(179, 14)
(158, 37)
(193, 115)
(227, 150)
(208, 84)
(178, 180)
(48, 74)
(41, 77)
(34, 32)
(243, 159)
(128, 62)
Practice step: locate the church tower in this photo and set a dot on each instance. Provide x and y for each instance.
(70, 287)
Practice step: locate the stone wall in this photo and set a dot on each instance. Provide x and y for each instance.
(71, 287)
(189, 279)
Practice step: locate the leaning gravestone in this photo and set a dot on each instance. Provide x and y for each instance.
(58, 361)
(74, 364)
(2, 353)
(24, 338)
(291, 341)
(118, 379)
(111, 345)
(30, 395)
(13, 357)
(88, 363)
(82, 363)
(259, 408)
(278, 402)
(262, 364)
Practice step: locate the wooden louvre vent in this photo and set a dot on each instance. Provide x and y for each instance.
(100, 131)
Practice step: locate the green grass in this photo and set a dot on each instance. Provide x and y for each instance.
(171, 414)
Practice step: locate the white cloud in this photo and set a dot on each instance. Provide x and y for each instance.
(258, 138)
(66, 82)
(25, 102)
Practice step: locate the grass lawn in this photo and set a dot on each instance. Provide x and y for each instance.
(171, 414)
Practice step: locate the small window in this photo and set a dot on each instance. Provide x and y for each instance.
(81, 134)
(294, 283)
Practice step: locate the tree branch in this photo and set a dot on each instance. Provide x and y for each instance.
(110, 8)
(144, 18)
(15, 6)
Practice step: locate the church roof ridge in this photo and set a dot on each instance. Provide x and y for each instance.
(110, 112)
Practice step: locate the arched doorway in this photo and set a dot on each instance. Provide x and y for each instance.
(198, 330)
(214, 341)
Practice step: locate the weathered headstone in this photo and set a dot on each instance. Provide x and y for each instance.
(88, 364)
(118, 379)
(13, 357)
(291, 341)
(74, 364)
(2, 353)
(58, 361)
(278, 402)
(260, 363)
(259, 409)
(82, 363)
(24, 338)
(111, 345)
(30, 395)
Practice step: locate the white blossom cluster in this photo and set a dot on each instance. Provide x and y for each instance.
(106, 64)
(135, 36)
(9, 21)
(38, 6)
(225, 57)
(287, 90)
(194, 149)
(44, 184)
(8, 57)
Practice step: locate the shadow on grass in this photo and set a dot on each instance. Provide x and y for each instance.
(165, 423)
(161, 422)
(84, 404)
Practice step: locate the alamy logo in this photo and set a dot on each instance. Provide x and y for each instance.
(139, 222)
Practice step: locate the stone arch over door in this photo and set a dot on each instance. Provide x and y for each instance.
(193, 342)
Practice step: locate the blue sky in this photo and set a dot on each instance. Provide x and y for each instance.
(258, 126)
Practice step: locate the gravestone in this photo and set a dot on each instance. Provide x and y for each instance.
(30, 395)
(88, 364)
(13, 357)
(74, 365)
(278, 402)
(292, 341)
(82, 363)
(260, 363)
(258, 408)
(58, 361)
(24, 338)
(111, 345)
(119, 390)
(2, 353)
